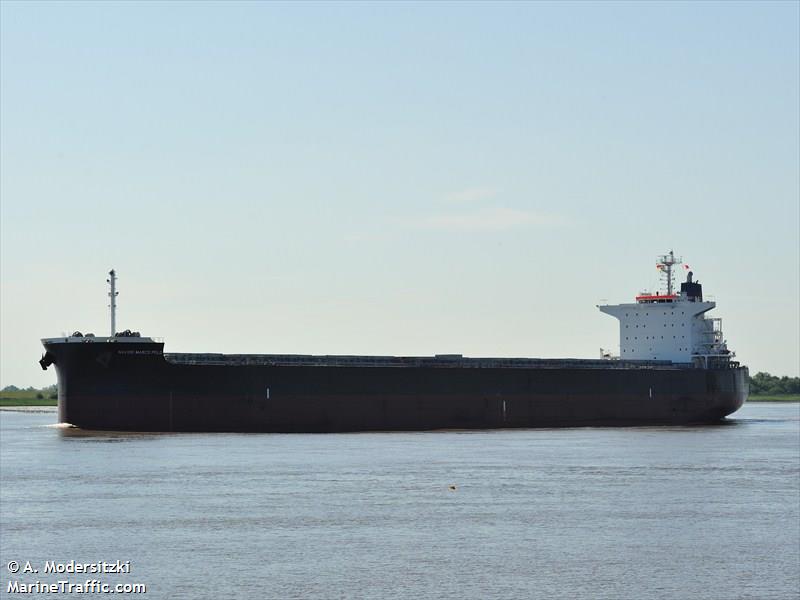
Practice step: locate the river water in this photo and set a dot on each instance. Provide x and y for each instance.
(636, 513)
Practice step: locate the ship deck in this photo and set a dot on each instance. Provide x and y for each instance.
(439, 361)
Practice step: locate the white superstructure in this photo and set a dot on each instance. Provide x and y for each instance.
(670, 325)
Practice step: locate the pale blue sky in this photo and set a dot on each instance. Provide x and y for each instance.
(395, 178)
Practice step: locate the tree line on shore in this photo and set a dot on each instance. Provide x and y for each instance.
(49, 392)
(764, 384)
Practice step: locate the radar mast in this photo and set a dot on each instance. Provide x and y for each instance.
(665, 264)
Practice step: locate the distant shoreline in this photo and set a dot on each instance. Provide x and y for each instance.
(30, 409)
(775, 398)
(15, 401)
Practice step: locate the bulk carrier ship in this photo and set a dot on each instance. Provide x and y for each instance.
(674, 367)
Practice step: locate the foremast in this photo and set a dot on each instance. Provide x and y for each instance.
(113, 293)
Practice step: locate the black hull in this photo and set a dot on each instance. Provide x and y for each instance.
(134, 387)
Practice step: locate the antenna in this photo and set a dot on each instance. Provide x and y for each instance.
(665, 264)
(112, 281)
